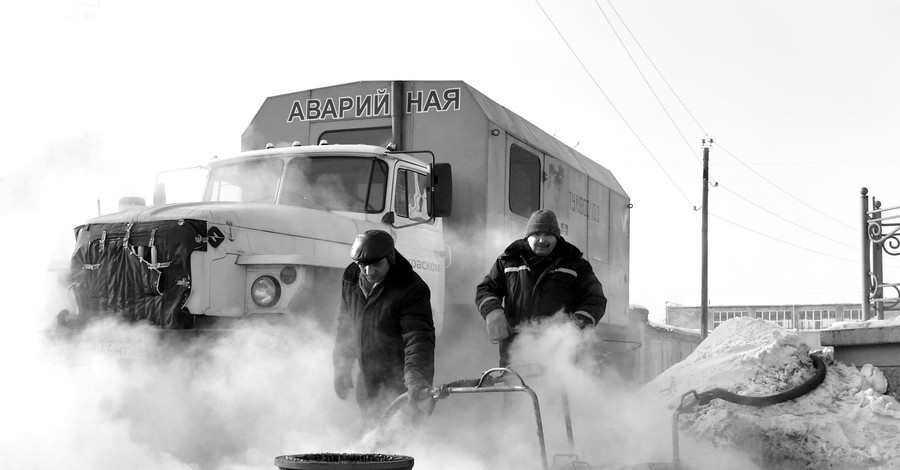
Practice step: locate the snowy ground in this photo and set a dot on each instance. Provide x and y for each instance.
(846, 423)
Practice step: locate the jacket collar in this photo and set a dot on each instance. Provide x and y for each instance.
(401, 272)
(520, 247)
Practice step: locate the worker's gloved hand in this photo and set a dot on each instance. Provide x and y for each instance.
(497, 326)
(416, 392)
(582, 320)
(343, 382)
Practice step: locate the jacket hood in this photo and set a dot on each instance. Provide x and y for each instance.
(563, 249)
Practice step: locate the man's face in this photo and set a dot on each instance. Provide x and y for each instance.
(542, 243)
(375, 272)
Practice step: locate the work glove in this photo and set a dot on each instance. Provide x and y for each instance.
(418, 399)
(343, 382)
(497, 326)
(582, 320)
(416, 392)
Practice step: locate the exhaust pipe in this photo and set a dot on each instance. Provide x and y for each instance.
(397, 107)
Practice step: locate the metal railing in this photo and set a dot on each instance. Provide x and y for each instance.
(880, 228)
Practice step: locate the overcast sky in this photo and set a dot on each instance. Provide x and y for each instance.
(801, 98)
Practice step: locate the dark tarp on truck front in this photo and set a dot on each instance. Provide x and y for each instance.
(136, 271)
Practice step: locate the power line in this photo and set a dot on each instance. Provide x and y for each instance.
(788, 220)
(647, 82)
(786, 192)
(755, 291)
(677, 97)
(647, 56)
(820, 163)
(677, 128)
(616, 109)
(783, 241)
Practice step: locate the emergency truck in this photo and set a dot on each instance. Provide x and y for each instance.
(451, 174)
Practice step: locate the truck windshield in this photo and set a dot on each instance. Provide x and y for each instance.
(350, 184)
(245, 181)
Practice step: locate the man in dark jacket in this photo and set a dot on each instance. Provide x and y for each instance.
(385, 323)
(536, 277)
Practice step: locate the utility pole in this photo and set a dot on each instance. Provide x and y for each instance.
(704, 260)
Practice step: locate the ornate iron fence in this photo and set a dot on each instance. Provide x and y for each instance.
(880, 227)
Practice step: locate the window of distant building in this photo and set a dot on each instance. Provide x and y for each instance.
(853, 314)
(782, 318)
(816, 319)
(722, 316)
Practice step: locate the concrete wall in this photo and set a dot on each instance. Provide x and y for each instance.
(877, 344)
(661, 347)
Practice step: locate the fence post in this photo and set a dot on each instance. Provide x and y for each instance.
(866, 280)
(877, 265)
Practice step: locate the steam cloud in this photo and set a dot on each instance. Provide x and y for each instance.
(238, 400)
(118, 396)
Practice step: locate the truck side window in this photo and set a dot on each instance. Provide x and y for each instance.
(524, 181)
(411, 197)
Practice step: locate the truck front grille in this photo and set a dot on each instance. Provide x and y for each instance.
(136, 271)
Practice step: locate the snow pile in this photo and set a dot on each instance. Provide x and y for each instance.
(847, 422)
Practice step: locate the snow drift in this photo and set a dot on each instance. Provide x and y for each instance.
(847, 422)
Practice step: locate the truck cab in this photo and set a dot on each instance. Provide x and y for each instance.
(270, 236)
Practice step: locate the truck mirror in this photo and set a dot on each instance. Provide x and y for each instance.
(131, 202)
(442, 191)
(159, 194)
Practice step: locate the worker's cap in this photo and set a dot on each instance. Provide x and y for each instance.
(371, 246)
(542, 220)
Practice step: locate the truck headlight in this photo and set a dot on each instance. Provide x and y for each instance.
(265, 291)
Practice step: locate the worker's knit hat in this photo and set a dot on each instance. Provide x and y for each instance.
(542, 220)
(371, 246)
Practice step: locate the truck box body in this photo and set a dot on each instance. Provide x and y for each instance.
(494, 154)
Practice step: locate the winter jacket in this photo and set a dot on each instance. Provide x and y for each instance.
(390, 333)
(568, 284)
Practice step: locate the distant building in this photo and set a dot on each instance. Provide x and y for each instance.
(806, 319)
